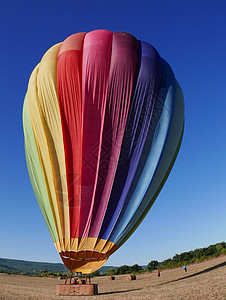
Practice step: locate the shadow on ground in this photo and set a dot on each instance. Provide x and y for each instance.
(118, 292)
(196, 274)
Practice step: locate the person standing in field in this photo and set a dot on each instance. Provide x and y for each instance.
(158, 273)
(185, 268)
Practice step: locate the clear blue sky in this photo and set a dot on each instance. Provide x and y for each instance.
(190, 212)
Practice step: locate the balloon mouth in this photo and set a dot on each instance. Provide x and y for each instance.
(85, 262)
(84, 255)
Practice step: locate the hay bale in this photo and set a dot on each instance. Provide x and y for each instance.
(131, 277)
(111, 277)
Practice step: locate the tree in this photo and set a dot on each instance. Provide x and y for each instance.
(153, 265)
(96, 273)
(135, 268)
(177, 258)
(124, 270)
(44, 272)
(111, 271)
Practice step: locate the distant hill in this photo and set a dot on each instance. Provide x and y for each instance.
(30, 267)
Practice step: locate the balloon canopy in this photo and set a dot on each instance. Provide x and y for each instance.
(103, 121)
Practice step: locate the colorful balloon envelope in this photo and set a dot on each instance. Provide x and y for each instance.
(103, 121)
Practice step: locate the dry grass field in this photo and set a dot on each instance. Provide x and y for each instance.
(206, 280)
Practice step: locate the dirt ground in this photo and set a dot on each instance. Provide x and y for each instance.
(206, 280)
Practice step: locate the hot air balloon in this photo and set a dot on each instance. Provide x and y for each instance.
(103, 121)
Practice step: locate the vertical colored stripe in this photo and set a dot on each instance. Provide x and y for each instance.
(122, 74)
(35, 173)
(46, 125)
(95, 72)
(41, 144)
(138, 123)
(69, 80)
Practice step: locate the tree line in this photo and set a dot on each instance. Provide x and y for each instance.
(190, 257)
(178, 260)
